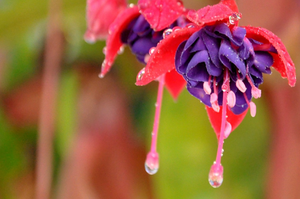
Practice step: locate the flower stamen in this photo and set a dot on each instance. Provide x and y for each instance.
(152, 160)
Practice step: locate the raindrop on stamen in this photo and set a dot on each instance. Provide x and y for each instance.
(152, 163)
(167, 32)
(215, 176)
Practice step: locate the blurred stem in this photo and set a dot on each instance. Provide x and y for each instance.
(53, 57)
(283, 170)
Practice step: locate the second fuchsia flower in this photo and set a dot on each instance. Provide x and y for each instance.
(222, 64)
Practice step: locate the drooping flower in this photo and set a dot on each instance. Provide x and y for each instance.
(97, 20)
(141, 27)
(222, 64)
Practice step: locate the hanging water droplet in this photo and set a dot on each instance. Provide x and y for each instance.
(152, 163)
(234, 17)
(121, 50)
(167, 32)
(215, 176)
(141, 74)
(151, 51)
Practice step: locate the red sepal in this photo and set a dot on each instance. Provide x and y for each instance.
(174, 83)
(162, 59)
(216, 118)
(231, 4)
(97, 20)
(113, 42)
(211, 14)
(282, 60)
(160, 13)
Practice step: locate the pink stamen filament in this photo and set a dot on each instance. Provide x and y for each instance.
(223, 122)
(157, 112)
(251, 105)
(214, 97)
(256, 92)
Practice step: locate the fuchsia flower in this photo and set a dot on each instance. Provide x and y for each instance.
(221, 63)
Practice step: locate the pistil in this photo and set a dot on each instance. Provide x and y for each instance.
(215, 176)
(152, 160)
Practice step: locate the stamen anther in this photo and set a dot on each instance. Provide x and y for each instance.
(228, 129)
(240, 85)
(231, 99)
(206, 87)
(252, 109)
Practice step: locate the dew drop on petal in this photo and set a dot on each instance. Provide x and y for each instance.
(167, 32)
(131, 5)
(215, 176)
(234, 17)
(151, 51)
(152, 163)
(121, 50)
(141, 74)
(104, 50)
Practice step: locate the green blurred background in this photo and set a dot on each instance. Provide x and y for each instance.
(187, 143)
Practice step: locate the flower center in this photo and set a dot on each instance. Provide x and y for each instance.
(223, 68)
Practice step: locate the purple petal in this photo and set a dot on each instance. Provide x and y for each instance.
(228, 55)
(200, 94)
(196, 69)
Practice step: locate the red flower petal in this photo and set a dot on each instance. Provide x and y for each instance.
(113, 42)
(162, 59)
(231, 4)
(282, 60)
(97, 20)
(160, 13)
(216, 117)
(174, 83)
(211, 14)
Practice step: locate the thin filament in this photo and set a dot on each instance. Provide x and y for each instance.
(161, 80)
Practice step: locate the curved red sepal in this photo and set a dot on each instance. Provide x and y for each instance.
(97, 20)
(113, 42)
(282, 60)
(162, 59)
(231, 4)
(174, 83)
(216, 119)
(211, 14)
(160, 13)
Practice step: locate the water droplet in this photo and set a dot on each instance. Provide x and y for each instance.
(152, 163)
(151, 51)
(167, 32)
(104, 50)
(234, 17)
(215, 176)
(121, 50)
(141, 74)
(131, 5)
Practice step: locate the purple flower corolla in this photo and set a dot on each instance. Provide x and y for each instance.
(203, 59)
